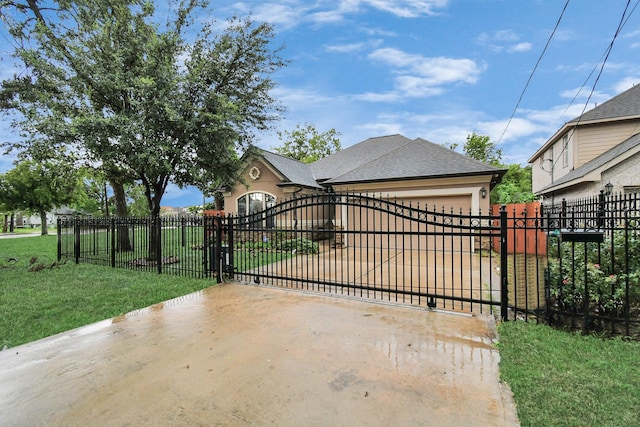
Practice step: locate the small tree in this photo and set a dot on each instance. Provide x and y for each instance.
(481, 148)
(306, 144)
(515, 186)
(38, 187)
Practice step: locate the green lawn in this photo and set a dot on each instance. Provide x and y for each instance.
(37, 304)
(566, 379)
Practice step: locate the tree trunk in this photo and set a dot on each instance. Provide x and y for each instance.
(155, 242)
(43, 222)
(5, 223)
(123, 243)
(218, 199)
(106, 201)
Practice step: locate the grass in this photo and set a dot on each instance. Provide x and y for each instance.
(35, 305)
(566, 379)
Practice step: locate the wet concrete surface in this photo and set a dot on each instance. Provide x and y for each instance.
(244, 355)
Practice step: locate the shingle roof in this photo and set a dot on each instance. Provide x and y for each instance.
(412, 160)
(294, 171)
(603, 159)
(355, 156)
(626, 104)
(383, 158)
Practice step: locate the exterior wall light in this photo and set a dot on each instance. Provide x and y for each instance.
(608, 188)
(483, 193)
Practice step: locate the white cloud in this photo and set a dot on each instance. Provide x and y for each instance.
(290, 13)
(626, 83)
(520, 47)
(408, 9)
(518, 128)
(419, 76)
(432, 70)
(503, 41)
(380, 128)
(346, 48)
(378, 97)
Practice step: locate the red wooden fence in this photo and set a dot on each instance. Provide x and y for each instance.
(524, 232)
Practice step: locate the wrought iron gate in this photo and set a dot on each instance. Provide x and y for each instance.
(369, 247)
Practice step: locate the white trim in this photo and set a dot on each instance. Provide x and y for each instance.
(254, 173)
(252, 192)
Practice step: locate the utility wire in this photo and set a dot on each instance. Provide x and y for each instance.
(623, 20)
(533, 71)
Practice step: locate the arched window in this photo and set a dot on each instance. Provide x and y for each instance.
(251, 203)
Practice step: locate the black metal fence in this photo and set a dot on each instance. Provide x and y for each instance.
(593, 274)
(574, 265)
(173, 245)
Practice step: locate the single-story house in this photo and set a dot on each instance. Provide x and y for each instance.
(417, 171)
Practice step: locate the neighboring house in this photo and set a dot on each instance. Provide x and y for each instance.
(588, 153)
(417, 171)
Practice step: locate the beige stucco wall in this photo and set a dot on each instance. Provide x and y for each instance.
(266, 182)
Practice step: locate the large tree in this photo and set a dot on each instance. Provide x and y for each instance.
(38, 187)
(306, 144)
(136, 97)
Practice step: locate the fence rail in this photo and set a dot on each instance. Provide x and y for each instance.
(575, 264)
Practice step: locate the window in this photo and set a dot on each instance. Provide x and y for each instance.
(252, 203)
(565, 151)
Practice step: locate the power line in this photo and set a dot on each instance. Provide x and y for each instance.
(533, 72)
(623, 20)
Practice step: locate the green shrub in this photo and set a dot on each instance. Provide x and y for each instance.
(301, 245)
(595, 275)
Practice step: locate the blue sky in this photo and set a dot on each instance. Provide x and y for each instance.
(437, 69)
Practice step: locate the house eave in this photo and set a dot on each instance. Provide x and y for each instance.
(496, 178)
(566, 128)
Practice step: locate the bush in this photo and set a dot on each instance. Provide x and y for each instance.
(591, 276)
(301, 245)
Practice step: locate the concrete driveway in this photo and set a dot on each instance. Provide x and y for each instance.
(245, 355)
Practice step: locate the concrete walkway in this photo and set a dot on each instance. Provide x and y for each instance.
(245, 355)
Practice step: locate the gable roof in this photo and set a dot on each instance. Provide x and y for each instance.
(356, 156)
(415, 159)
(386, 158)
(598, 165)
(621, 106)
(293, 171)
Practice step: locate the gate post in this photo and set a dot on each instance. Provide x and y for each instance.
(112, 229)
(230, 228)
(76, 239)
(218, 248)
(158, 231)
(504, 285)
(59, 224)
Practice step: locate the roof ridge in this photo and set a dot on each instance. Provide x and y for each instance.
(282, 156)
(375, 159)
